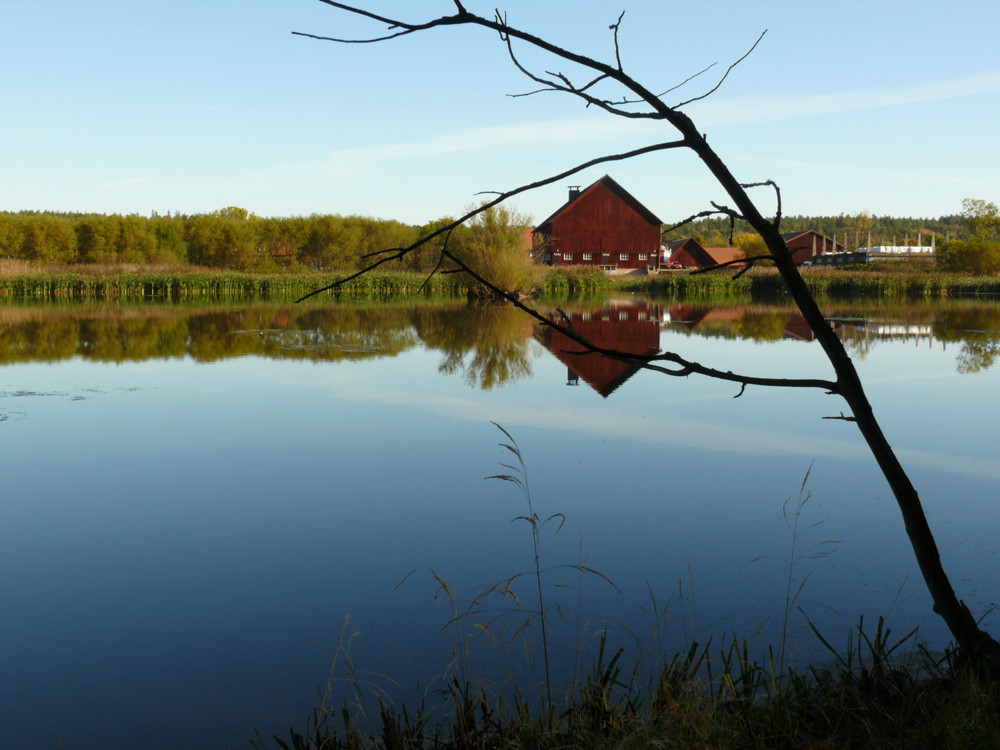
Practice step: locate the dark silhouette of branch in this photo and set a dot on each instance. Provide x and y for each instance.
(726, 264)
(843, 418)
(960, 621)
(777, 195)
(691, 219)
(724, 75)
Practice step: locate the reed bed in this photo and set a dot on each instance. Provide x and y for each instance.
(139, 283)
(831, 283)
(575, 280)
(21, 280)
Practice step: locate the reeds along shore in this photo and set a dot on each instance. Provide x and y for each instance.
(23, 281)
(177, 284)
(20, 280)
(840, 283)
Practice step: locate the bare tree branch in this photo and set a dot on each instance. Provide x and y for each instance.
(618, 53)
(725, 75)
(963, 626)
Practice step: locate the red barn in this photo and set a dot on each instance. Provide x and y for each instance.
(808, 244)
(602, 225)
(689, 253)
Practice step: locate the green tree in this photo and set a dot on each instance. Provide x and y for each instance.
(494, 246)
(48, 238)
(979, 253)
(170, 247)
(751, 243)
(96, 238)
(224, 239)
(136, 241)
(982, 219)
(12, 232)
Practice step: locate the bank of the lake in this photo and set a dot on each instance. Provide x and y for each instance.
(24, 281)
(877, 692)
(832, 283)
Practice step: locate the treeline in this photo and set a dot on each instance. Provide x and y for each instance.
(231, 238)
(234, 239)
(851, 231)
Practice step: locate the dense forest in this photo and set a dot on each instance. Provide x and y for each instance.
(233, 238)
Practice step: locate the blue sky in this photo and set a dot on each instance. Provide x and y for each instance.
(193, 105)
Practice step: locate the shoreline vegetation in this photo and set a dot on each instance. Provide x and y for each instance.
(25, 281)
(878, 692)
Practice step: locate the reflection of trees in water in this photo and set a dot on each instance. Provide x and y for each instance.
(978, 329)
(978, 355)
(973, 324)
(487, 344)
(754, 321)
(136, 333)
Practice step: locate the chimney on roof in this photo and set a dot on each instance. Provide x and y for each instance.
(574, 192)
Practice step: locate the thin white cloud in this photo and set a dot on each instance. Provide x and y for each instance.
(537, 134)
(872, 171)
(710, 113)
(128, 182)
(743, 110)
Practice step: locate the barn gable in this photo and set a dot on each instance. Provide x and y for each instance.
(603, 225)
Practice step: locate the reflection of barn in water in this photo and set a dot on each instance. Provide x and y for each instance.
(626, 327)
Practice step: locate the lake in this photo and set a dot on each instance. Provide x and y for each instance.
(212, 513)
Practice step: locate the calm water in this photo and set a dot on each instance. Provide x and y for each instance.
(205, 511)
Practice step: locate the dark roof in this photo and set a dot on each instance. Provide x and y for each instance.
(615, 188)
(791, 235)
(676, 244)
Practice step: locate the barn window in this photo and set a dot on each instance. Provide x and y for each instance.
(622, 316)
(547, 257)
(588, 256)
(567, 256)
(622, 256)
(643, 256)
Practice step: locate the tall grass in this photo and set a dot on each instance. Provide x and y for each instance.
(143, 283)
(875, 691)
(856, 282)
(574, 281)
(21, 280)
